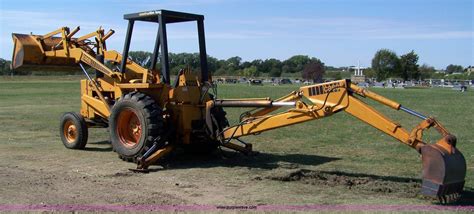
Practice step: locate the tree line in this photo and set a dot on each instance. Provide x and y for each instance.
(385, 64)
(4, 67)
(299, 65)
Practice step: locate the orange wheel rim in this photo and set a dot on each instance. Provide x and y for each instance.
(70, 131)
(129, 128)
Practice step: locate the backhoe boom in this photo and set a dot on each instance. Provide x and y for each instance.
(338, 96)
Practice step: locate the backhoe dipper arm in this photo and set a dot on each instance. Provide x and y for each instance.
(414, 139)
(444, 167)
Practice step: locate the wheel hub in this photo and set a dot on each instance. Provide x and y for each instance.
(129, 128)
(70, 131)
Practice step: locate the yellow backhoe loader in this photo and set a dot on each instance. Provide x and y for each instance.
(148, 116)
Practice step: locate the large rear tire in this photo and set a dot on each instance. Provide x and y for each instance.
(73, 131)
(135, 122)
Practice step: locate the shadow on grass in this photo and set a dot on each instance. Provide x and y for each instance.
(232, 159)
(98, 149)
(104, 142)
(182, 159)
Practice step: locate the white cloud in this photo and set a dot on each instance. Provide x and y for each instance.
(291, 28)
(23, 21)
(245, 34)
(349, 28)
(44, 22)
(432, 35)
(169, 3)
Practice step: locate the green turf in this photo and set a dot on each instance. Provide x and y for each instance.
(366, 149)
(30, 109)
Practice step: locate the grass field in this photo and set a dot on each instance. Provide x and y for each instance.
(336, 160)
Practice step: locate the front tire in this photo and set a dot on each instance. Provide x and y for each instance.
(73, 131)
(135, 122)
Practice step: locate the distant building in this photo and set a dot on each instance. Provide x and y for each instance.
(358, 76)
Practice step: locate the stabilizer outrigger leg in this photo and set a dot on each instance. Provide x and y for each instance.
(157, 151)
(245, 148)
(144, 162)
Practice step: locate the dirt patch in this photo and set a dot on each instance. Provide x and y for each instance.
(122, 174)
(357, 182)
(47, 186)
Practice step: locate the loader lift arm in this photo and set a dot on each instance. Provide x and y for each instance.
(444, 167)
(59, 50)
(64, 51)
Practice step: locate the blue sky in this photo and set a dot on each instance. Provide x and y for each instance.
(339, 32)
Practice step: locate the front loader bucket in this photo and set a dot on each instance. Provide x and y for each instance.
(444, 170)
(28, 54)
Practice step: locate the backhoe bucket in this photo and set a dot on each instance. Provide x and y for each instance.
(444, 169)
(28, 54)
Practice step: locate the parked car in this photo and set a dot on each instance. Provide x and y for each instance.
(285, 81)
(231, 81)
(255, 82)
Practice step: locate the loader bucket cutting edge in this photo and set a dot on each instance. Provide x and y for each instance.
(28, 55)
(443, 172)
